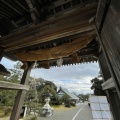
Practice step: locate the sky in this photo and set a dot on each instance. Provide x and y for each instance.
(76, 78)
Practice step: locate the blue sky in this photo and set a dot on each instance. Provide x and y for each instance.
(76, 78)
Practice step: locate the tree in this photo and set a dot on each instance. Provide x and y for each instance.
(47, 89)
(43, 89)
(16, 73)
(96, 86)
(65, 98)
(7, 97)
(83, 97)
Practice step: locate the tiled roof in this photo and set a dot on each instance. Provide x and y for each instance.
(71, 95)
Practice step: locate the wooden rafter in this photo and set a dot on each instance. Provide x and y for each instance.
(75, 22)
(55, 52)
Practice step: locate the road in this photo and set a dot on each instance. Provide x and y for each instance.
(81, 112)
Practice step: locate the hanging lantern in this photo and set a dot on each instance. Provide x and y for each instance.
(59, 62)
(46, 65)
(24, 66)
(75, 58)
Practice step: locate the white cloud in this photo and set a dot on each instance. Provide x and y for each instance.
(75, 78)
(7, 63)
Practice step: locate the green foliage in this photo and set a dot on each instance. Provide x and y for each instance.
(8, 110)
(16, 73)
(33, 118)
(65, 98)
(2, 78)
(83, 97)
(58, 101)
(96, 86)
(72, 103)
(39, 90)
(7, 97)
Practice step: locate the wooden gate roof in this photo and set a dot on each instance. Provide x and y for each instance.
(45, 30)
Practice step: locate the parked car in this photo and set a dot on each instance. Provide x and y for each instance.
(89, 104)
(67, 104)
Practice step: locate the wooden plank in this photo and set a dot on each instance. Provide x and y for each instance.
(98, 8)
(109, 57)
(10, 6)
(109, 84)
(100, 12)
(104, 67)
(50, 21)
(13, 86)
(110, 35)
(110, 44)
(1, 52)
(112, 25)
(20, 96)
(115, 103)
(33, 40)
(112, 100)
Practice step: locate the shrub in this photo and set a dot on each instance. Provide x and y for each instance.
(73, 104)
(7, 110)
(33, 118)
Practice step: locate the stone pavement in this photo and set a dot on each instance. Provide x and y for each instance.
(81, 112)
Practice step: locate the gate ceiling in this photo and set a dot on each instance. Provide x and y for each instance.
(45, 30)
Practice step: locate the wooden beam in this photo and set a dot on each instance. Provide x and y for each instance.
(1, 52)
(111, 68)
(109, 84)
(66, 25)
(106, 75)
(34, 40)
(10, 6)
(86, 53)
(20, 96)
(32, 11)
(99, 3)
(13, 86)
(21, 5)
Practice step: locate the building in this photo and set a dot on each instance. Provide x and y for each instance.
(72, 96)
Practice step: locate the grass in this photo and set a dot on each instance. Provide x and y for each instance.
(5, 111)
(1, 113)
(55, 106)
(61, 107)
(31, 117)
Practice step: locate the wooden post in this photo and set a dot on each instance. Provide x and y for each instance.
(112, 96)
(110, 65)
(109, 35)
(1, 52)
(12, 86)
(20, 96)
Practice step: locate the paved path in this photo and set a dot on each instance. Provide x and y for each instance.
(81, 112)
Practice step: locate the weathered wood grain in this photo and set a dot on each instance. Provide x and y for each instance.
(66, 25)
(20, 96)
(109, 84)
(13, 86)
